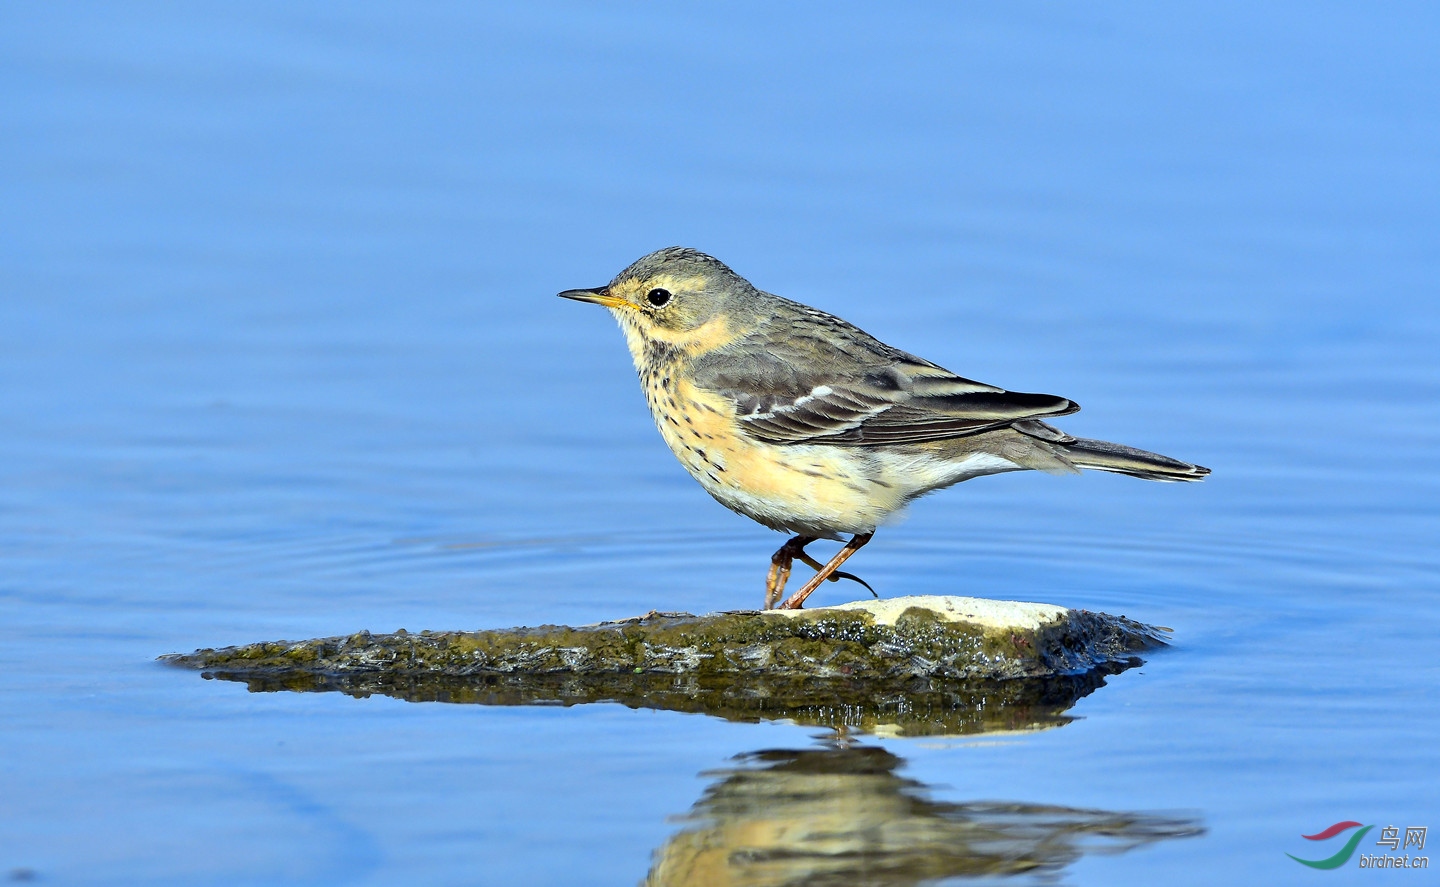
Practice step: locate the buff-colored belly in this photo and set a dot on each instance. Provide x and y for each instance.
(813, 490)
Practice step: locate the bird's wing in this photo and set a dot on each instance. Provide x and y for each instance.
(812, 386)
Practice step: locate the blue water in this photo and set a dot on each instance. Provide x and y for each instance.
(280, 357)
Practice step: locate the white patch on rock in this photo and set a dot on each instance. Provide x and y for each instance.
(983, 612)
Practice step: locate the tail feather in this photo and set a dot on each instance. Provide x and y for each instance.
(1101, 455)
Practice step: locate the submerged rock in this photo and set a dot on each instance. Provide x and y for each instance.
(918, 664)
(900, 638)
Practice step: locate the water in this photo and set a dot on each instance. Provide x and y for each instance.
(280, 357)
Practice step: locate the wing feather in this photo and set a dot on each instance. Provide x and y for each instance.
(832, 383)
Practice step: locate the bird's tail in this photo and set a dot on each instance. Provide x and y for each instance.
(1102, 455)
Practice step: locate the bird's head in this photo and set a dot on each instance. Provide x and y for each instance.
(678, 297)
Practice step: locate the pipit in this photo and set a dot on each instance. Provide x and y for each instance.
(811, 426)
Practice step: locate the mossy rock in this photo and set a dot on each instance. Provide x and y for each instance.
(918, 664)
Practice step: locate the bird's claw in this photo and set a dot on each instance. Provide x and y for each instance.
(841, 574)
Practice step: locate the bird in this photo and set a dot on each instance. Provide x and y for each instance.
(809, 425)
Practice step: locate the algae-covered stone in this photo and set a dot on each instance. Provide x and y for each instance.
(928, 664)
(914, 637)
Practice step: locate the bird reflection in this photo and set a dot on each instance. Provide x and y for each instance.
(841, 816)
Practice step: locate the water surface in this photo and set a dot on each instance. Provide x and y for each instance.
(280, 357)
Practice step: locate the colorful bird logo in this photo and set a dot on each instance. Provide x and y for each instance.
(1344, 854)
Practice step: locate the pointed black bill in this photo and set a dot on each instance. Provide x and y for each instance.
(599, 295)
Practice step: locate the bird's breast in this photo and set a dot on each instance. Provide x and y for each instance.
(811, 489)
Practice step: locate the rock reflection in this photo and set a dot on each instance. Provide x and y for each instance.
(889, 708)
(842, 816)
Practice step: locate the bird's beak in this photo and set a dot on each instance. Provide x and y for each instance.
(600, 295)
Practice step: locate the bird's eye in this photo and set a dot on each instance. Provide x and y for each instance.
(658, 297)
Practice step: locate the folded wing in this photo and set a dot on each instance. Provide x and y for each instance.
(853, 390)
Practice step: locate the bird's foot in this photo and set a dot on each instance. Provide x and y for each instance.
(780, 563)
(841, 574)
(837, 575)
(797, 600)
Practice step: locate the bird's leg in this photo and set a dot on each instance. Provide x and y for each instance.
(797, 600)
(780, 563)
(837, 575)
